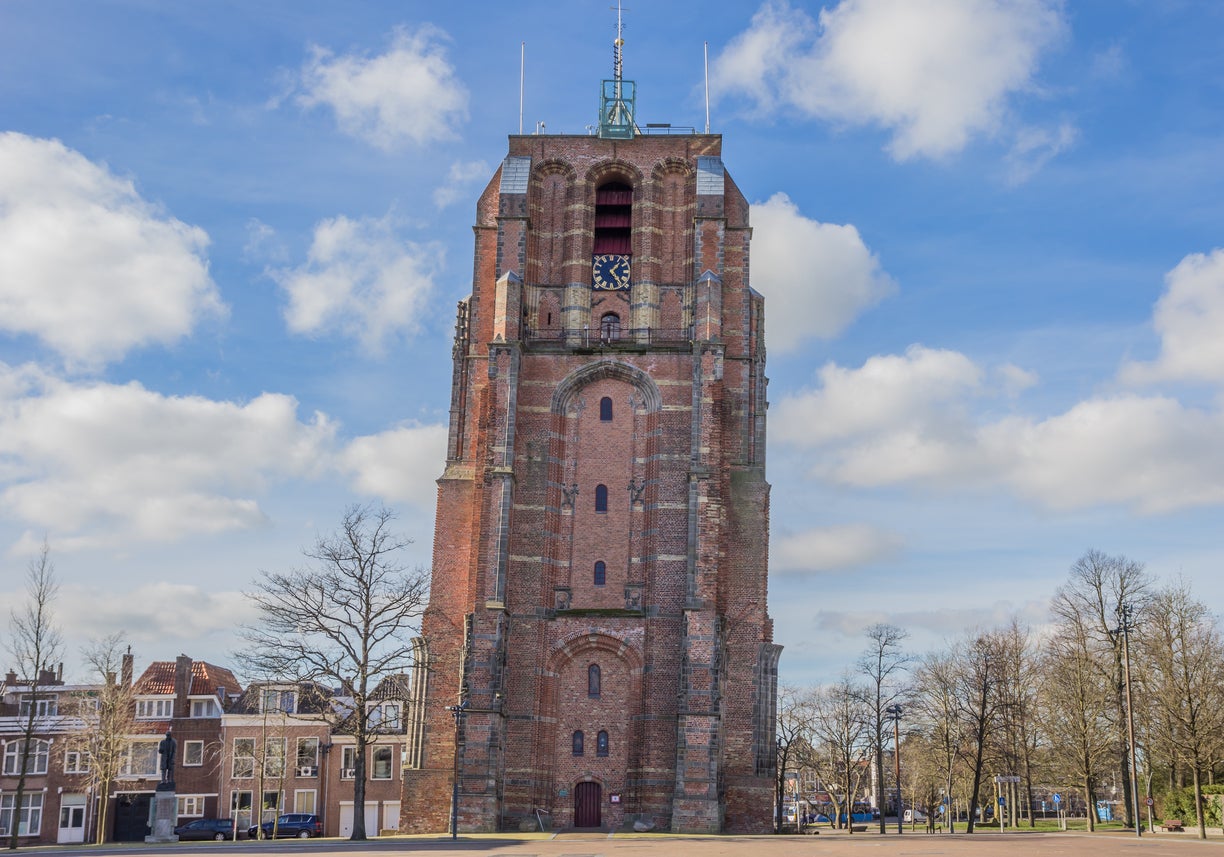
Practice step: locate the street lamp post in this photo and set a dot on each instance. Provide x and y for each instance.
(1124, 611)
(457, 711)
(894, 711)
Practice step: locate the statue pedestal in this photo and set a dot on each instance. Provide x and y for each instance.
(164, 814)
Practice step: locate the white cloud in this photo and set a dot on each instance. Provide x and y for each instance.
(911, 419)
(98, 464)
(409, 94)
(1035, 147)
(401, 464)
(86, 265)
(838, 548)
(1189, 318)
(817, 277)
(934, 72)
(459, 178)
(360, 281)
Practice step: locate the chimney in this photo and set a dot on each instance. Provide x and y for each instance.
(126, 674)
(182, 685)
(11, 679)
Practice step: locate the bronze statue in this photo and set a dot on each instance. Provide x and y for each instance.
(166, 749)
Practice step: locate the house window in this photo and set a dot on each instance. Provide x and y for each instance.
(240, 808)
(204, 708)
(605, 409)
(610, 327)
(244, 758)
(601, 498)
(35, 764)
(385, 716)
(601, 573)
(29, 820)
(577, 743)
(382, 763)
(305, 800)
(274, 757)
(593, 680)
(193, 754)
(279, 700)
(191, 805)
(601, 743)
(307, 759)
(271, 806)
(140, 760)
(76, 762)
(154, 709)
(44, 707)
(348, 762)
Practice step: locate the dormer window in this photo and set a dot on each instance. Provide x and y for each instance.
(385, 716)
(278, 701)
(205, 708)
(154, 709)
(43, 707)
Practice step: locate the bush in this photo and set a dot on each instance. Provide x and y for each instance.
(1179, 803)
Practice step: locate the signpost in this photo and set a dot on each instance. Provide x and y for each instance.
(1057, 798)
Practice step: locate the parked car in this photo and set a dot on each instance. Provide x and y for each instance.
(913, 815)
(206, 828)
(299, 824)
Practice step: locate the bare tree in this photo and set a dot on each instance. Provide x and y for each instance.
(936, 711)
(1096, 589)
(842, 736)
(883, 664)
(1077, 709)
(1185, 681)
(107, 720)
(35, 644)
(348, 618)
(978, 702)
(1018, 733)
(794, 737)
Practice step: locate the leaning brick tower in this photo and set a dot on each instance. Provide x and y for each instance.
(598, 645)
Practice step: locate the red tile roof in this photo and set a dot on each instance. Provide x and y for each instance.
(158, 679)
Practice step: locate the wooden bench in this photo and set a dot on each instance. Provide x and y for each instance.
(1173, 825)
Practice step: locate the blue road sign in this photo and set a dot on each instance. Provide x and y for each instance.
(1057, 798)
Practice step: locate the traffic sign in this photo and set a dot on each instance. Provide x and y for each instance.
(1150, 802)
(1057, 798)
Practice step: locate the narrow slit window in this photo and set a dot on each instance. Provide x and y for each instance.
(593, 680)
(601, 498)
(605, 409)
(601, 573)
(578, 743)
(601, 743)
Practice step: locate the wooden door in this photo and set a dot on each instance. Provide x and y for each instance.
(588, 798)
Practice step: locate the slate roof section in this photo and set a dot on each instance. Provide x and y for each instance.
(516, 171)
(710, 175)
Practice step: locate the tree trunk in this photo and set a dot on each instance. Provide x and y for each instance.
(1198, 803)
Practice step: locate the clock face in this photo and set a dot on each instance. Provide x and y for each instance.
(610, 272)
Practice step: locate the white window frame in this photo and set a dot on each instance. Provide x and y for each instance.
(348, 762)
(273, 758)
(29, 819)
(191, 806)
(243, 816)
(386, 716)
(44, 706)
(277, 701)
(306, 760)
(247, 760)
(385, 750)
(198, 756)
(126, 769)
(76, 762)
(35, 765)
(300, 798)
(155, 708)
(202, 708)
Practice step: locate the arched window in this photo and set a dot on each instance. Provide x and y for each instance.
(593, 680)
(578, 741)
(613, 219)
(605, 409)
(601, 743)
(601, 498)
(609, 327)
(601, 573)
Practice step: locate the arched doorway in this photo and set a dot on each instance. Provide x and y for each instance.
(588, 798)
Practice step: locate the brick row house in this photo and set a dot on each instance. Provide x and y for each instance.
(242, 753)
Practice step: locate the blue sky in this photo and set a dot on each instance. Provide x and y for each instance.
(232, 237)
